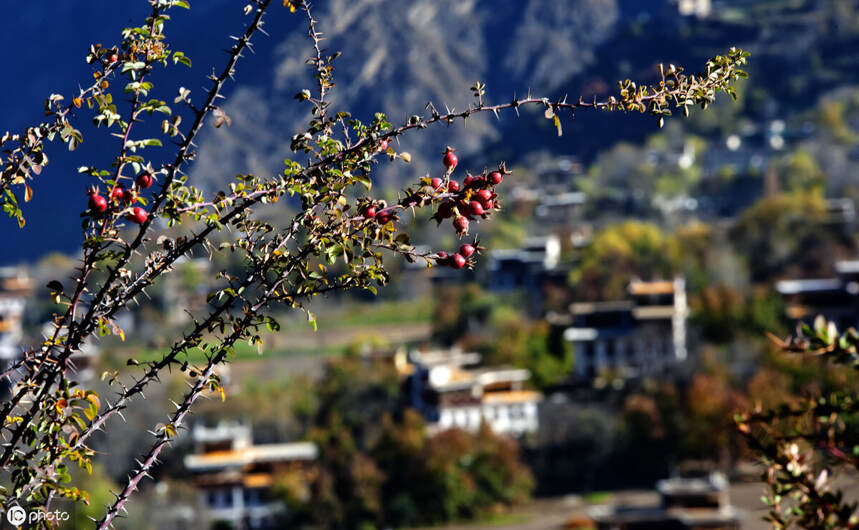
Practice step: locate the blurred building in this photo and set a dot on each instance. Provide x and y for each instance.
(524, 267)
(234, 476)
(697, 8)
(642, 335)
(561, 209)
(450, 391)
(837, 298)
(15, 287)
(530, 269)
(689, 502)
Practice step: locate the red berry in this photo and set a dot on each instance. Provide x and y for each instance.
(442, 258)
(461, 224)
(457, 261)
(488, 205)
(97, 203)
(144, 180)
(383, 217)
(495, 178)
(466, 250)
(128, 196)
(449, 160)
(113, 57)
(116, 193)
(476, 208)
(453, 186)
(370, 212)
(484, 195)
(138, 215)
(383, 145)
(436, 183)
(445, 210)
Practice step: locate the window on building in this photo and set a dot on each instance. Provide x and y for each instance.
(252, 497)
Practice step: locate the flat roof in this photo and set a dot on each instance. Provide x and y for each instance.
(656, 287)
(649, 312)
(254, 454)
(464, 379)
(847, 266)
(808, 285)
(512, 396)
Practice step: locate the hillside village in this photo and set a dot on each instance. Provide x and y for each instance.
(619, 314)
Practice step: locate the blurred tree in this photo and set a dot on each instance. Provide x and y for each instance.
(617, 254)
(789, 234)
(461, 310)
(337, 240)
(802, 173)
(516, 340)
(395, 473)
(723, 313)
(347, 489)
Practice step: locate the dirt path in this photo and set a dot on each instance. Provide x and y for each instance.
(553, 513)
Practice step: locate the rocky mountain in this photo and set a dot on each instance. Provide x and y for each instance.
(398, 56)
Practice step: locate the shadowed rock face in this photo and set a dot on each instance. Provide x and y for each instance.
(397, 56)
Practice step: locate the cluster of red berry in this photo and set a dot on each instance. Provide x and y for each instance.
(371, 211)
(458, 260)
(122, 196)
(474, 198)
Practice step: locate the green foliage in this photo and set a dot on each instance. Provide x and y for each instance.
(99, 485)
(517, 341)
(487, 323)
(617, 253)
(393, 473)
(460, 311)
(337, 238)
(724, 313)
(788, 233)
(803, 173)
(805, 440)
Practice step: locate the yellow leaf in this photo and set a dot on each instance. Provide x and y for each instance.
(407, 158)
(28, 193)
